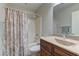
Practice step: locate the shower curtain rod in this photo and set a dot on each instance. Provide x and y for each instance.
(18, 9)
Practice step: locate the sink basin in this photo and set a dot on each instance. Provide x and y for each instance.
(76, 38)
(63, 42)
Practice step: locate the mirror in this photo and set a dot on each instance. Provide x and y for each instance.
(75, 22)
(66, 18)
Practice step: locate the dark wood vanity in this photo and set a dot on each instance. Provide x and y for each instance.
(49, 49)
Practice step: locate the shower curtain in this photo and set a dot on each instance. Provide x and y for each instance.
(16, 25)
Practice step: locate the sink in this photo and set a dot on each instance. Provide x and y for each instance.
(76, 38)
(63, 42)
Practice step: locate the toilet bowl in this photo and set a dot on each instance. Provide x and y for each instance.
(34, 48)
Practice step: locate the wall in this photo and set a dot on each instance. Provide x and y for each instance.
(38, 28)
(64, 18)
(16, 6)
(31, 30)
(46, 12)
(54, 26)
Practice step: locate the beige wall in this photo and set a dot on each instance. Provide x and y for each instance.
(31, 30)
(37, 25)
(46, 12)
(19, 6)
(37, 28)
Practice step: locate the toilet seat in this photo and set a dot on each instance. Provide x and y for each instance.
(35, 48)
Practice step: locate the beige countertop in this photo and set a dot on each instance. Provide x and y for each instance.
(73, 48)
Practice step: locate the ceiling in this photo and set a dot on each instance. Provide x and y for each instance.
(33, 6)
(28, 6)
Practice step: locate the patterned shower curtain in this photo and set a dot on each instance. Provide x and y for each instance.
(16, 25)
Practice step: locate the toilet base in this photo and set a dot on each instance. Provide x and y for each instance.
(34, 49)
(35, 53)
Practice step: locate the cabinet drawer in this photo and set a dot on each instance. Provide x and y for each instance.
(44, 52)
(46, 45)
(62, 52)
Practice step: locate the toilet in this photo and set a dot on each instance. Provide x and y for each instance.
(34, 48)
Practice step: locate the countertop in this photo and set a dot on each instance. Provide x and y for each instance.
(73, 48)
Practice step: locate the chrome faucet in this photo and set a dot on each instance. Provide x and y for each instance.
(64, 35)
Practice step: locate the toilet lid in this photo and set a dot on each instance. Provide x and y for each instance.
(35, 48)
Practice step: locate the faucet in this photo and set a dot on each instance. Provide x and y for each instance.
(64, 35)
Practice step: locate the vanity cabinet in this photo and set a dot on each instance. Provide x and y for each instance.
(45, 52)
(46, 48)
(49, 49)
(62, 52)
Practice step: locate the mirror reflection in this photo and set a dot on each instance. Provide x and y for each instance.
(66, 19)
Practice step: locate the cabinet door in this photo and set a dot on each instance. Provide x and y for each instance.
(58, 52)
(62, 52)
(44, 52)
(46, 45)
